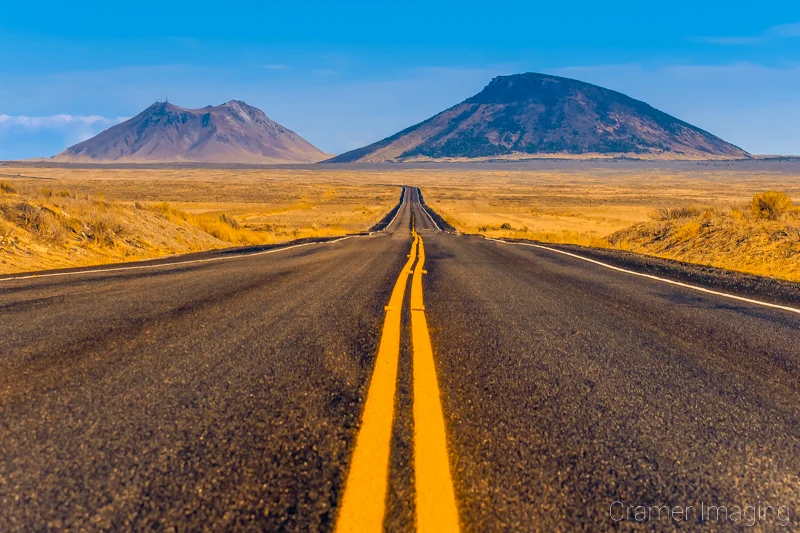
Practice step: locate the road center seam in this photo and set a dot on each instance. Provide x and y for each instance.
(436, 507)
(364, 501)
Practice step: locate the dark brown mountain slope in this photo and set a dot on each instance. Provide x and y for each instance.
(528, 115)
(229, 133)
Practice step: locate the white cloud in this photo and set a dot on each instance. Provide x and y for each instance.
(56, 121)
(781, 31)
(23, 136)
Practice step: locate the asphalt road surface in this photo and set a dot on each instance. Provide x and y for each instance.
(311, 388)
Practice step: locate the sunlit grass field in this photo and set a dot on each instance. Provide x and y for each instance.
(704, 217)
(57, 217)
(54, 218)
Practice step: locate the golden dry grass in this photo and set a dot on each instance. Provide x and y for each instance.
(764, 239)
(608, 207)
(53, 218)
(714, 218)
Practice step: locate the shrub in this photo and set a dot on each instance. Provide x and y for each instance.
(103, 228)
(7, 188)
(505, 225)
(52, 228)
(63, 193)
(230, 221)
(5, 231)
(676, 213)
(40, 221)
(770, 205)
(169, 212)
(217, 229)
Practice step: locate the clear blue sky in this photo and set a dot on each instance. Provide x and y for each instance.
(343, 74)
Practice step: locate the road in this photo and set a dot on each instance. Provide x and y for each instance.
(398, 380)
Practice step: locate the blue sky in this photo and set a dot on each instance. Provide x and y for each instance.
(349, 73)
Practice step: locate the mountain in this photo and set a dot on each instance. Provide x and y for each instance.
(229, 133)
(530, 115)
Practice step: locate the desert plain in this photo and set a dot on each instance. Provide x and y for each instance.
(738, 216)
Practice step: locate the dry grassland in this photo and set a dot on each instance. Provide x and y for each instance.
(80, 217)
(694, 216)
(55, 218)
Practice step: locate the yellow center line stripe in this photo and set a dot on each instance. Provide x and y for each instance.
(364, 501)
(436, 502)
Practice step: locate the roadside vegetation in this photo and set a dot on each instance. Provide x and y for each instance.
(49, 229)
(760, 238)
(58, 225)
(728, 220)
(57, 217)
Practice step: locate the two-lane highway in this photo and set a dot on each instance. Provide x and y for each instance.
(546, 393)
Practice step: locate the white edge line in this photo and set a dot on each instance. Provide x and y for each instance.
(398, 210)
(192, 261)
(425, 210)
(178, 263)
(340, 239)
(371, 233)
(160, 265)
(650, 276)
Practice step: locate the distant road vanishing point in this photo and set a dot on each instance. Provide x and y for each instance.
(408, 379)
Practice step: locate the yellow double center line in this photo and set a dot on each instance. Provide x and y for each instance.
(436, 502)
(364, 502)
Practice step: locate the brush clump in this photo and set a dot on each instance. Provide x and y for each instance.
(762, 238)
